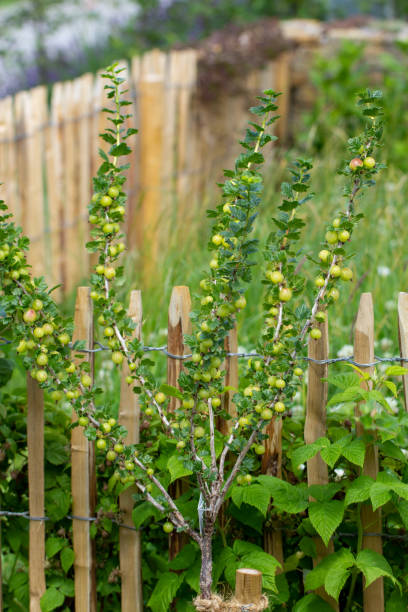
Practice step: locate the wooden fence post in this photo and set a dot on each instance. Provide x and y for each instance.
(248, 586)
(272, 465)
(315, 428)
(178, 324)
(35, 447)
(83, 477)
(403, 338)
(371, 521)
(129, 540)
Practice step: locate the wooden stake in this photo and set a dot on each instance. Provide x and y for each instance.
(315, 428)
(403, 338)
(371, 521)
(8, 158)
(129, 540)
(248, 586)
(178, 324)
(35, 447)
(272, 465)
(83, 478)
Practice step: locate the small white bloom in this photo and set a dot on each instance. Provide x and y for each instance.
(393, 403)
(346, 351)
(383, 271)
(385, 344)
(339, 473)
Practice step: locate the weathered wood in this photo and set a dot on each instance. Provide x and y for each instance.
(231, 380)
(272, 465)
(129, 540)
(55, 185)
(403, 338)
(178, 324)
(152, 114)
(31, 113)
(248, 586)
(315, 427)
(8, 158)
(83, 479)
(35, 447)
(371, 521)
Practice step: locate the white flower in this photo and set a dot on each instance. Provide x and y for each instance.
(346, 351)
(385, 344)
(383, 271)
(393, 403)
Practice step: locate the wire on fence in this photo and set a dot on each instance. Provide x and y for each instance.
(339, 534)
(163, 349)
(26, 515)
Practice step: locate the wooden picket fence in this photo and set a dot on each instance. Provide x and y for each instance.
(49, 153)
(83, 459)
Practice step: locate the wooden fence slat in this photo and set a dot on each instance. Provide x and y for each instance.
(55, 189)
(35, 447)
(371, 521)
(403, 338)
(315, 427)
(133, 187)
(73, 249)
(8, 158)
(83, 478)
(178, 324)
(152, 104)
(186, 84)
(130, 541)
(31, 114)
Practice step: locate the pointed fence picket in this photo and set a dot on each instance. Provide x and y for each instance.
(83, 464)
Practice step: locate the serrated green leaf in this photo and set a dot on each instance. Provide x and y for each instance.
(253, 495)
(51, 599)
(286, 497)
(67, 557)
(392, 387)
(396, 370)
(390, 449)
(355, 452)
(53, 545)
(402, 507)
(326, 517)
(303, 453)
(338, 573)
(380, 494)
(359, 490)
(373, 565)
(165, 591)
(142, 512)
(171, 391)
(185, 558)
(176, 468)
(353, 394)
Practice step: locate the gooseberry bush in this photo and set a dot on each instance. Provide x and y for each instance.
(217, 466)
